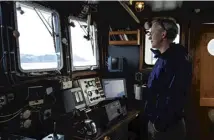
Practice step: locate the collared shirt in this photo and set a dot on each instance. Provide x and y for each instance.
(168, 85)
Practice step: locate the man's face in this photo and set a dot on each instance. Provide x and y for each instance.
(157, 35)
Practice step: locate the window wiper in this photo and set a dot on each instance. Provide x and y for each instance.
(54, 39)
(87, 36)
(82, 27)
(52, 33)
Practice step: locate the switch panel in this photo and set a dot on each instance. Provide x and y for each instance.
(35, 95)
(92, 90)
(73, 99)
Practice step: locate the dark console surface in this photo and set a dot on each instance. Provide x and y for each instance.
(122, 124)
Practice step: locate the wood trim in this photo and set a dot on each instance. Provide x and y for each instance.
(141, 59)
(124, 42)
(207, 28)
(138, 37)
(135, 42)
(183, 34)
(103, 51)
(123, 32)
(207, 102)
(83, 73)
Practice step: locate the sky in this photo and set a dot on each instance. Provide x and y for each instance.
(34, 38)
(80, 45)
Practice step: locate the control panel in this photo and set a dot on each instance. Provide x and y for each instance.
(114, 110)
(73, 98)
(92, 90)
(35, 95)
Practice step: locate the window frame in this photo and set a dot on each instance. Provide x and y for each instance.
(40, 7)
(144, 52)
(84, 68)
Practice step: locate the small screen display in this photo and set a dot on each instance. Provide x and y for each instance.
(114, 88)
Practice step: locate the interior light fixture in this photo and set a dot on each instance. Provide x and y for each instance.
(139, 6)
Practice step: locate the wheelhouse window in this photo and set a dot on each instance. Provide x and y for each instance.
(39, 45)
(149, 56)
(84, 45)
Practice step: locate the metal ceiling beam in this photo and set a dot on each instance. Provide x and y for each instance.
(126, 7)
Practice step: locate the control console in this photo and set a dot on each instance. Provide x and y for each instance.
(92, 90)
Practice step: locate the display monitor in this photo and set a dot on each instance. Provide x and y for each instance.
(114, 88)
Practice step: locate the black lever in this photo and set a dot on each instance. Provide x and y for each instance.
(54, 132)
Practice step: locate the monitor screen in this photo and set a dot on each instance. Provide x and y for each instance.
(114, 88)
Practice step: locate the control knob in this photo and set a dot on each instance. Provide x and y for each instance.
(89, 93)
(96, 91)
(26, 123)
(26, 114)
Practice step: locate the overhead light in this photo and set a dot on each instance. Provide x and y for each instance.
(139, 6)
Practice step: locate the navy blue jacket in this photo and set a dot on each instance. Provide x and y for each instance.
(168, 85)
